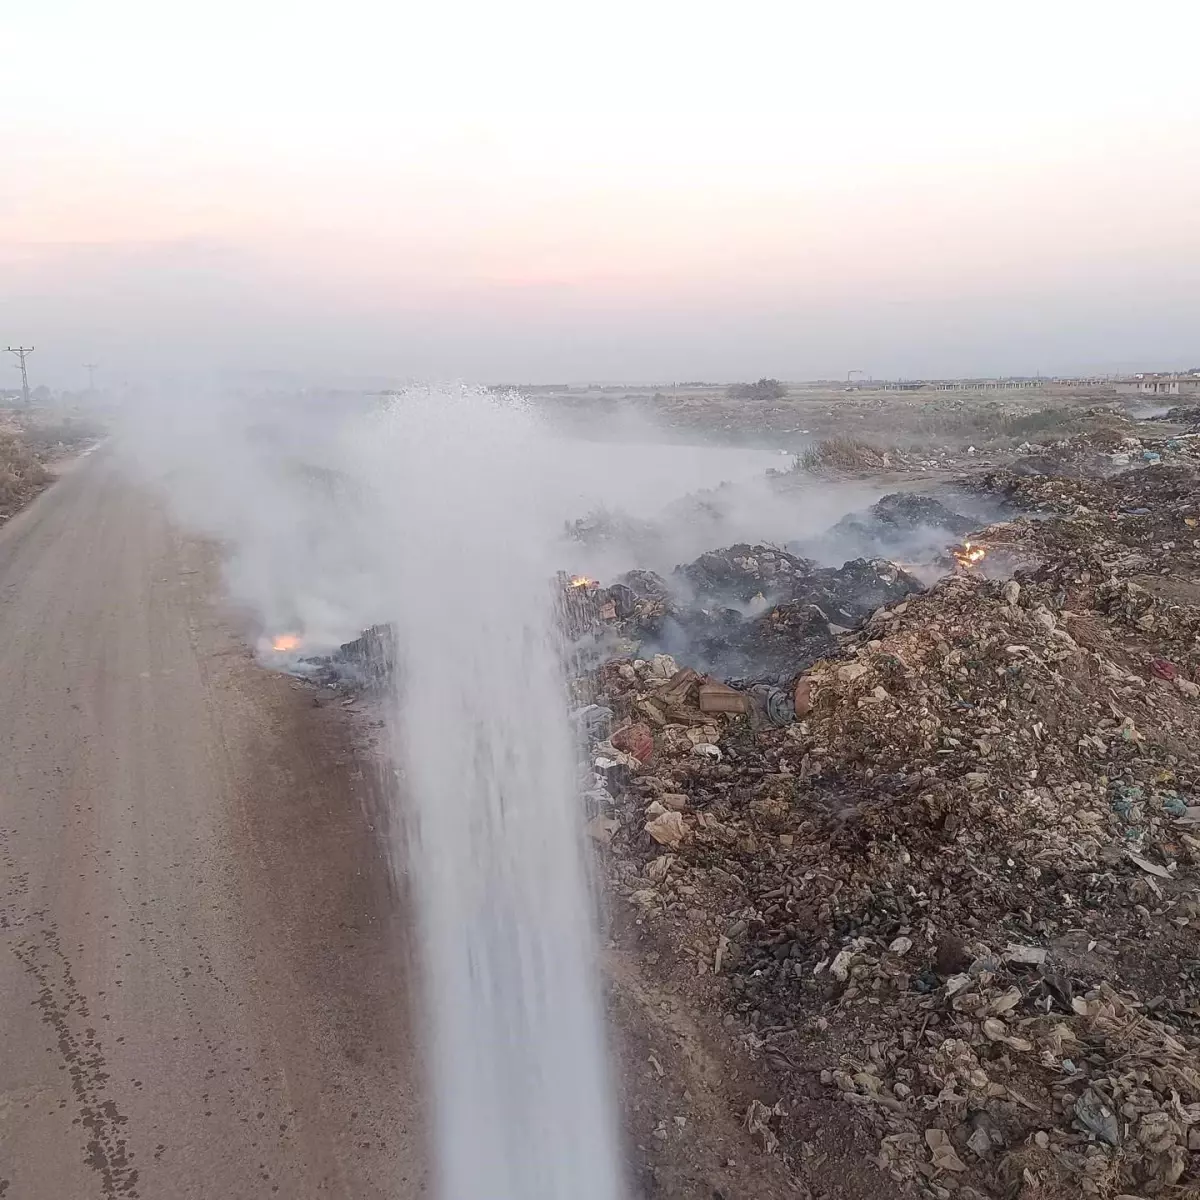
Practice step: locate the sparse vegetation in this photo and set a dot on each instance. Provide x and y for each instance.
(68, 434)
(994, 425)
(992, 422)
(842, 454)
(762, 389)
(22, 475)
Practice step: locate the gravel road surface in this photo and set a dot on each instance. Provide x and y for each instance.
(203, 989)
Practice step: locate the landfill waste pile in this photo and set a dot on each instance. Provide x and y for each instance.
(904, 512)
(929, 854)
(1107, 449)
(756, 614)
(365, 663)
(1183, 414)
(900, 523)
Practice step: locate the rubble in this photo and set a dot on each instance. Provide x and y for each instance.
(929, 852)
(1184, 414)
(367, 662)
(898, 519)
(932, 851)
(745, 614)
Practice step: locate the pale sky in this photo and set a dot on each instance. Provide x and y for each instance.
(545, 191)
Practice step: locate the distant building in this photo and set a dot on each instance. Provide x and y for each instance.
(1170, 385)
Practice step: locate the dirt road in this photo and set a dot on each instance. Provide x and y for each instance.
(202, 993)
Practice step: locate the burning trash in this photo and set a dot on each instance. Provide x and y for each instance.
(939, 770)
(368, 662)
(901, 524)
(748, 614)
(969, 554)
(585, 606)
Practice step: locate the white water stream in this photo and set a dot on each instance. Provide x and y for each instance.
(518, 1063)
(442, 514)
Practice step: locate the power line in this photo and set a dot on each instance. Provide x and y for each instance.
(20, 352)
(91, 369)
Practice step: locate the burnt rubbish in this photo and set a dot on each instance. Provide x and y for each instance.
(900, 524)
(367, 662)
(744, 614)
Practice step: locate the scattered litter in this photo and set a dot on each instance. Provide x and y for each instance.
(720, 698)
(912, 830)
(667, 829)
(601, 829)
(757, 1121)
(945, 1158)
(1096, 1117)
(1151, 868)
(1024, 955)
(636, 741)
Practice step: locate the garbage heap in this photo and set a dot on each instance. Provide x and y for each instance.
(945, 873)
(905, 527)
(752, 614)
(1055, 471)
(368, 662)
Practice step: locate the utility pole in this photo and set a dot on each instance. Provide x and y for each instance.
(91, 369)
(20, 352)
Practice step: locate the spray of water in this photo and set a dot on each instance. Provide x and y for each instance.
(436, 512)
(441, 512)
(521, 1088)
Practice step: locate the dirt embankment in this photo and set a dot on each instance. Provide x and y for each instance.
(22, 473)
(32, 449)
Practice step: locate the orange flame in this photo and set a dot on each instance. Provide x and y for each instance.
(285, 642)
(582, 581)
(969, 554)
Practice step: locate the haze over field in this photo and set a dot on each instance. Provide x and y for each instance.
(423, 789)
(532, 192)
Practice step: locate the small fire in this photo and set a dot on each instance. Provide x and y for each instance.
(969, 554)
(284, 643)
(582, 581)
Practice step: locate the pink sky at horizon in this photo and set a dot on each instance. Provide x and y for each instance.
(666, 191)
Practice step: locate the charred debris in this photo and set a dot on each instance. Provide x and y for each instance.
(930, 852)
(745, 615)
(923, 830)
(367, 663)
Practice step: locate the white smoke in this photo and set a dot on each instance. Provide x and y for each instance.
(437, 512)
(467, 526)
(442, 513)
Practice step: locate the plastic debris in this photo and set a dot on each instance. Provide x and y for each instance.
(1094, 1114)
